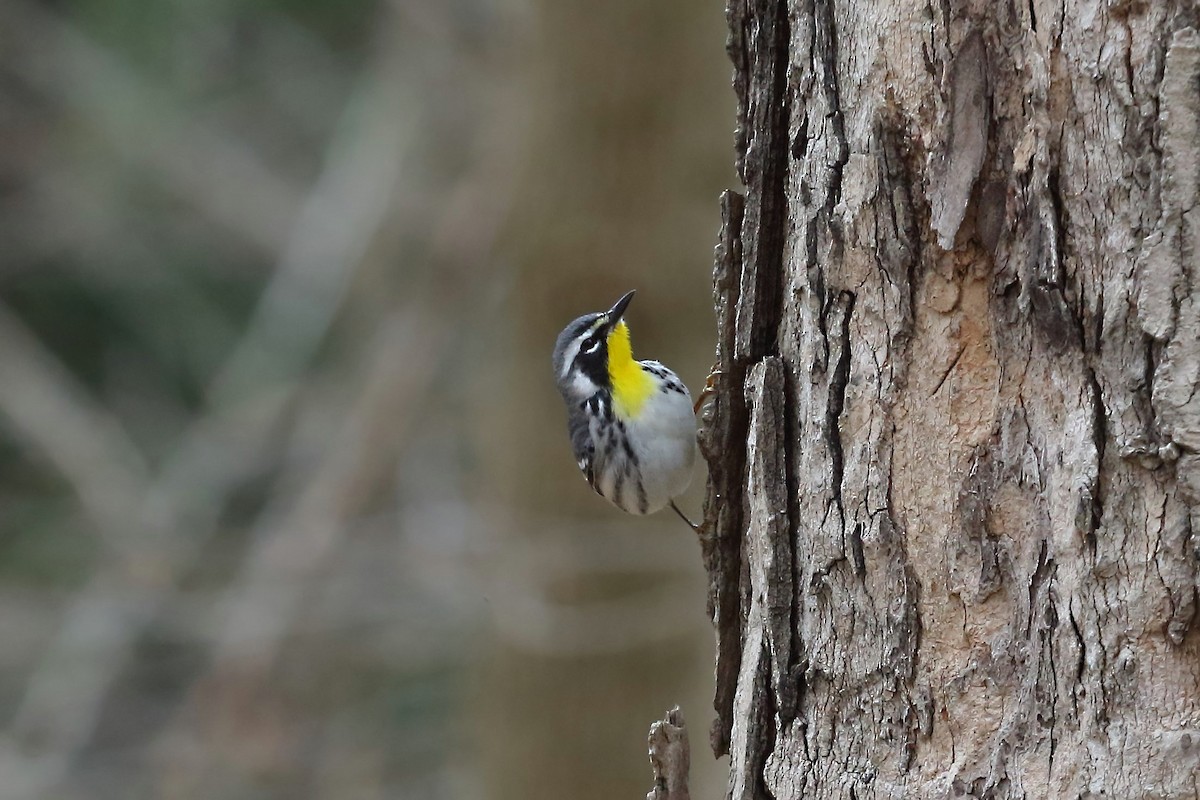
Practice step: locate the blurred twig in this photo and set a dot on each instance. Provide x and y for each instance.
(145, 127)
(59, 418)
(294, 540)
(267, 396)
(327, 243)
(333, 232)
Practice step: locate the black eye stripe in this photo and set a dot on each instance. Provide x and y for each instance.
(590, 363)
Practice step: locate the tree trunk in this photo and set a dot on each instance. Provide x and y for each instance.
(955, 450)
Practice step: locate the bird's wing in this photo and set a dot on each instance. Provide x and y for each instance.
(579, 422)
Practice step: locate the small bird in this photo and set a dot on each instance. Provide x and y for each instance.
(632, 423)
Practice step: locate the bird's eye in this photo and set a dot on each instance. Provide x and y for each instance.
(590, 346)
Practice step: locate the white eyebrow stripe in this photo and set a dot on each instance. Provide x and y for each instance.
(573, 349)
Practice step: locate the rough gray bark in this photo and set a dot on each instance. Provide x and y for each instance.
(955, 449)
(670, 757)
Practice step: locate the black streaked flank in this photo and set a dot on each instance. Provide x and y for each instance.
(618, 485)
(629, 454)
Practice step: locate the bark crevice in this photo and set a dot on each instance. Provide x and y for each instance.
(843, 309)
(748, 295)
(971, 299)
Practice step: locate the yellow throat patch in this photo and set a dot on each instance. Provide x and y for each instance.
(631, 385)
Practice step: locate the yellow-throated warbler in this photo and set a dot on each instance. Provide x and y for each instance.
(632, 424)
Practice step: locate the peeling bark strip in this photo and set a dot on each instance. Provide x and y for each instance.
(968, 141)
(747, 297)
(670, 757)
(1167, 307)
(954, 499)
(758, 38)
(767, 540)
(720, 443)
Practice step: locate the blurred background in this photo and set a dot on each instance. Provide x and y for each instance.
(287, 507)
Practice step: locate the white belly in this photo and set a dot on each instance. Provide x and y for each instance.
(662, 442)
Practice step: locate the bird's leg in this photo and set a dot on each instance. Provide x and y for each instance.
(691, 524)
(710, 388)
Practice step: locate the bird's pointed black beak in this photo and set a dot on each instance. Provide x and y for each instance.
(614, 314)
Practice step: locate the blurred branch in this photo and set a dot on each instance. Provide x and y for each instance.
(329, 238)
(64, 695)
(144, 126)
(74, 221)
(293, 544)
(266, 394)
(59, 418)
(327, 242)
(56, 416)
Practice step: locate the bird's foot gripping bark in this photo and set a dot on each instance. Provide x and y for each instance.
(710, 388)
